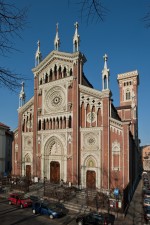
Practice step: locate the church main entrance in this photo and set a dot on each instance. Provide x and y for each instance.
(28, 171)
(54, 172)
(91, 179)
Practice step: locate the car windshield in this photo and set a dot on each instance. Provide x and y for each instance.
(23, 197)
(52, 206)
(147, 201)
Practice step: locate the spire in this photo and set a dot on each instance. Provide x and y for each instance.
(76, 38)
(22, 96)
(105, 74)
(57, 40)
(38, 55)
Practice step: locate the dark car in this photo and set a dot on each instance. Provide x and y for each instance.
(146, 208)
(51, 209)
(147, 214)
(19, 200)
(95, 218)
(147, 194)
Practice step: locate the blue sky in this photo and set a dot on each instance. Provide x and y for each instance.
(122, 36)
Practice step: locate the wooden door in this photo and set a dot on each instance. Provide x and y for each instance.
(28, 171)
(54, 172)
(91, 179)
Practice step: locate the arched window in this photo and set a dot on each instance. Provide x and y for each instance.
(44, 124)
(60, 74)
(40, 81)
(128, 94)
(115, 156)
(69, 122)
(70, 72)
(64, 72)
(39, 124)
(55, 72)
(105, 82)
(46, 78)
(51, 75)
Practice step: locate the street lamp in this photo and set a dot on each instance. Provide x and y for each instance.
(44, 184)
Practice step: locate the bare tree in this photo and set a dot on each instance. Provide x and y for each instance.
(146, 19)
(12, 22)
(91, 10)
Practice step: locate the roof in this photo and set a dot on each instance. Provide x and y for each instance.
(123, 107)
(4, 126)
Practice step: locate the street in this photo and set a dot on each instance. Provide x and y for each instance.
(12, 215)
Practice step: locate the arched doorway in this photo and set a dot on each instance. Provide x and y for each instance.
(90, 179)
(28, 171)
(54, 172)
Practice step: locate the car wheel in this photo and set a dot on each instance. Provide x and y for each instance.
(9, 202)
(51, 216)
(34, 212)
(21, 206)
(80, 223)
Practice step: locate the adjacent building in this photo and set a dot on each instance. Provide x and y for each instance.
(68, 130)
(6, 138)
(146, 157)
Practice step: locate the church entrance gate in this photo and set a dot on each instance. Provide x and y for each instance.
(90, 179)
(54, 172)
(28, 171)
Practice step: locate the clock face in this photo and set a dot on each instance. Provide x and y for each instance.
(55, 99)
(91, 117)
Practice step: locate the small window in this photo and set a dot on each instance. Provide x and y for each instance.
(128, 95)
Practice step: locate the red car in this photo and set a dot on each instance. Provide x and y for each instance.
(19, 200)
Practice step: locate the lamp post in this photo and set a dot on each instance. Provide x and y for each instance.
(116, 192)
(44, 184)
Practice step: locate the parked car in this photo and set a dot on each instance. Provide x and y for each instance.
(147, 194)
(147, 214)
(144, 172)
(19, 200)
(34, 198)
(53, 210)
(95, 218)
(146, 202)
(146, 208)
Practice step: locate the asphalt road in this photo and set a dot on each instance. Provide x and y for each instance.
(12, 215)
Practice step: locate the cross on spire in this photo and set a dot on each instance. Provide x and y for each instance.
(38, 55)
(76, 38)
(22, 96)
(57, 39)
(105, 73)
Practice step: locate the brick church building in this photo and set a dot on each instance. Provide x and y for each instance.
(70, 131)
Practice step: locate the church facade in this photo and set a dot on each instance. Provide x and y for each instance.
(70, 131)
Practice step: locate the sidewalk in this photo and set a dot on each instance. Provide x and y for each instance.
(135, 212)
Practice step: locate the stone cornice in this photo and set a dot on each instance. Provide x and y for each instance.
(66, 81)
(89, 129)
(26, 105)
(127, 75)
(90, 91)
(94, 93)
(56, 131)
(55, 115)
(58, 55)
(116, 123)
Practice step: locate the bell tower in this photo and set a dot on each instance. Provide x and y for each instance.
(128, 86)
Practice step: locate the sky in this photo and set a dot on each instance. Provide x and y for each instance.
(122, 35)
